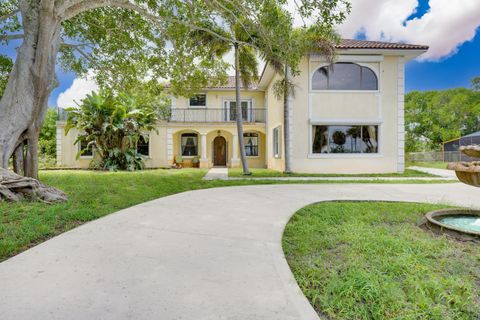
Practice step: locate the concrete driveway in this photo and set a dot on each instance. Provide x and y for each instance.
(208, 254)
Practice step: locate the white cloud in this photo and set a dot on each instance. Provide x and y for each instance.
(78, 90)
(446, 26)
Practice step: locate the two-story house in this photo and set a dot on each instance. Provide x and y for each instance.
(345, 118)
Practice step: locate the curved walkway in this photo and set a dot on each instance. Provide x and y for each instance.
(201, 255)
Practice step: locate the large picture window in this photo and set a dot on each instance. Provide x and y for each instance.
(345, 139)
(189, 144)
(250, 141)
(344, 76)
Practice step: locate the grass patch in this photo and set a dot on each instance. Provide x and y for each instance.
(269, 173)
(95, 194)
(369, 260)
(434, 165)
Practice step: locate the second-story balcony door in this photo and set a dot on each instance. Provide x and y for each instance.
(231, 111)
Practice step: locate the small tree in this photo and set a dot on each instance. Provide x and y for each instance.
(476, 84)
(47, 141)
(112, 125)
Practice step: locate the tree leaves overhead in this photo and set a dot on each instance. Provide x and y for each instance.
(157, 39)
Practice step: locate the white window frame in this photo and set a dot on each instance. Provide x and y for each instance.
(250, 113)
(258, 144)
(321, 65)
(277, 142)
(149, 146)
(199, 107)
(198, 145)
(84, 156)
(312, 155)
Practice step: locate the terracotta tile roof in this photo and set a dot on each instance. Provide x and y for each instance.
(364, 44)
(343, 45)
(231, 84)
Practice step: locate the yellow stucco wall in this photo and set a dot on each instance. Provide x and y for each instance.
(308, 107)
(228, 131)
(343, 107)
(274, 120)
(67, 150)
(215, 99)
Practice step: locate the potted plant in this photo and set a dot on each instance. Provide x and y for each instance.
(196, 162)
(179, 161)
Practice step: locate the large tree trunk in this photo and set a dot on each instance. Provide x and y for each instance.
(19, 160)
(239, 116)
(286, 121)
(24, 103)
(14, 187)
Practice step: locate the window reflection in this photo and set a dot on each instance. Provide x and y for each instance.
(344, 76)
(344, 139)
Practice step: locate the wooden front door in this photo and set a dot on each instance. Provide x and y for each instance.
(219, 151)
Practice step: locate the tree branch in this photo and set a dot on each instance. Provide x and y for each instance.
(76, 45)
(9, 15)
(86, 5)
(8, 37)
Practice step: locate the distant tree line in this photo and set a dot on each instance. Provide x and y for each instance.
(432, 117)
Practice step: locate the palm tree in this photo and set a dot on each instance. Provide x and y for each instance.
(296, 43)
(241, 40)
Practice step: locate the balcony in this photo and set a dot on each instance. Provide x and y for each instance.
(216, 115)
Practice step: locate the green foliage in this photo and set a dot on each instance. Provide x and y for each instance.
(113, 125)
(6, 66)
(476, 84)
(433, 117)
(47, 141)
(361, 260)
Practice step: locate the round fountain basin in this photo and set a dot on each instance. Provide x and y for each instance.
(461, 223)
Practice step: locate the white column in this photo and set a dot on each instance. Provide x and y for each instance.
(204, 146)
(401, 116)
(235, 147)
(170, 146)
(59, 136)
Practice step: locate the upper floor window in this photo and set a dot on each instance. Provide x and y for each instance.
(344, 76)
(199, 101)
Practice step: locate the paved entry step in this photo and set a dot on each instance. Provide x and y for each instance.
(217, 174)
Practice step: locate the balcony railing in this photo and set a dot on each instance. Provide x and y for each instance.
(216, 115)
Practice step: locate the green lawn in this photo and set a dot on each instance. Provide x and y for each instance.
(95, 194)
(369, 260)
(435, 165)
(269, 173)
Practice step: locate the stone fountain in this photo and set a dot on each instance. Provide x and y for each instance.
(468, 172)
(462, 224)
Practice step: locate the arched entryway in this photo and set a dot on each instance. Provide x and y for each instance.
(219, 151)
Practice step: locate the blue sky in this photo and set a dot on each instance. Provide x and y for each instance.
(452, 62)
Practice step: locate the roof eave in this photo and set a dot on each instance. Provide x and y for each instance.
(407, 53)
